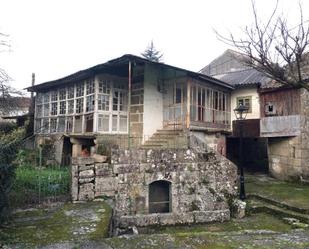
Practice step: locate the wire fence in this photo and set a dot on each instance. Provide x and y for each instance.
(39, 179)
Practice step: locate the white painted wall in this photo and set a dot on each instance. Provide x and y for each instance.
(250, 91)
(153, 102)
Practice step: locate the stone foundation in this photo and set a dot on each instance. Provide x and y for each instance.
(201, 185)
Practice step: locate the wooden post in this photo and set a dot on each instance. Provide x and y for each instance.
(129, 104)
(188, 104)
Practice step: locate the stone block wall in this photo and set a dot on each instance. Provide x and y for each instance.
(90, 179)
(289, 156)
(201, 184)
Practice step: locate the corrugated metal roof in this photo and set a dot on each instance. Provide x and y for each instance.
(244, 77)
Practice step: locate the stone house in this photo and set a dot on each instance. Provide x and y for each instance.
(163, 129)
(129, 102)
(247, 83)
(276, 127)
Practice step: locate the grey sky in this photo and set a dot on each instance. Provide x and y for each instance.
(54, 38)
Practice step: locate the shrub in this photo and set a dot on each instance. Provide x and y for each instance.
(8, 148)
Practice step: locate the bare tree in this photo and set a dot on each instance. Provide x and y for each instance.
(8, 100)
(275, 48)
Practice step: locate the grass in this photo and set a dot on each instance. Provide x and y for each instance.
(293, 194)
(64, 224)
(32, 185)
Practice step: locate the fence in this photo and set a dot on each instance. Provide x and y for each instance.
(38, 179)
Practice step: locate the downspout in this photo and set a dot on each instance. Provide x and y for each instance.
(129, 104)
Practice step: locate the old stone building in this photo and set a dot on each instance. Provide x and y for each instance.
(162, 130)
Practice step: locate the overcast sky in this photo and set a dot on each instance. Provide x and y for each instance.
(54, 38)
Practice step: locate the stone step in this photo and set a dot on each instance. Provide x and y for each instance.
(156, 141)
(278, 204)
(169, 131)
(257, 206)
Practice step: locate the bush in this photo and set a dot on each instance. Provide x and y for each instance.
(8, 148)
(7, 127)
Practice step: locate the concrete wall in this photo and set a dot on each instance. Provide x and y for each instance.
(249, 91)
(153, 101)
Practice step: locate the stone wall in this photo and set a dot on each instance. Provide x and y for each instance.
(289, 156)
(201, 184)
(90, 179)
(304, 137)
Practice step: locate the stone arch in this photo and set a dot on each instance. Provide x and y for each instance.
(160, 197)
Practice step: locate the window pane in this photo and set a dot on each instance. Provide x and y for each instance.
(45, 127)
(54, 109)
(114, 123)
(89, 86)
(61, 124)
(103, 102)
(79, 105)
(46, 110)
(54, 96)
(80, 90)
(62, 94)
(71, 92)
(78, 124)
(123, 123)
(90, 103)
(70, 106)
(53, 125)
(62, 107)
(103, 123)
(69, 124)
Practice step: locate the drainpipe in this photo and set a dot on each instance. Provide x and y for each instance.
(129, 105)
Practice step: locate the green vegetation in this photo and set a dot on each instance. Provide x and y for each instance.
(9, 143)
(70, 222)
(290, 193)
(33, 184)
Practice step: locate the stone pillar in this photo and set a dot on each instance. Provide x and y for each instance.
(76, 148)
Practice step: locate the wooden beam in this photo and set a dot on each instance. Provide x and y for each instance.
(188, 104)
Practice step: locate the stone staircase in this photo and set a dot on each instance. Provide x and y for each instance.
(298, 217)
(167, 138)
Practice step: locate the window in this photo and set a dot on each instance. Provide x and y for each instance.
(54, 96)
(62, 94)
(71, 106)
(103, 102)
(69, 127)
(62, 107)
(46, 110)
(103, 123)
(53, 125)
(104, 86)
(71, 92)
(54, 108)
(90, 103)
(270, 109)
(38, 125)
(39, 111)
(79, 90)
(246, 101)
(61, 124)
(89, 86)
(79, 105)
